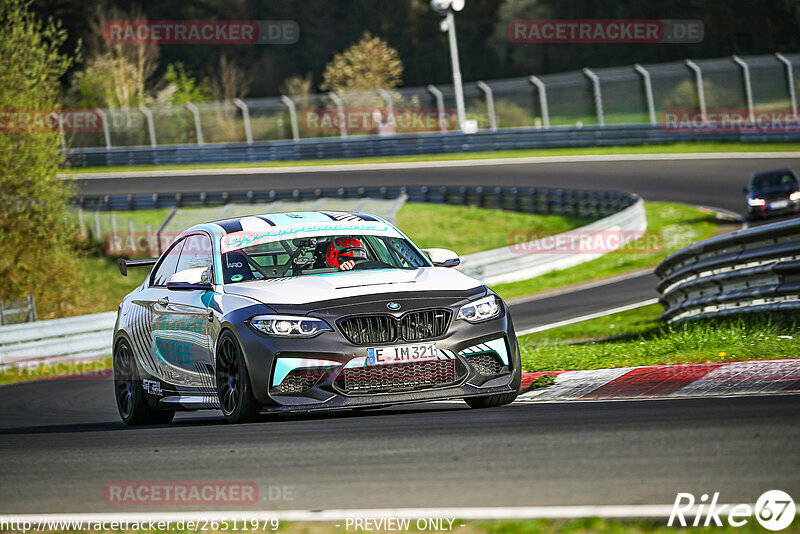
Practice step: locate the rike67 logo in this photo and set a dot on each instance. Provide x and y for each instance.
(774, 510)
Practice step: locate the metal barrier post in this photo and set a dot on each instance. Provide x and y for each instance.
(790, 79)
(598, 97)
(248, 132)
(748, 90)
(106, 130)
(198, 128)
(489, 104)
(542, 100)
(437, 94)
(151, 128)
(340, 111)
(31, 308)
(701, 92)
(387, 99)
(648, 92)
(289, 103)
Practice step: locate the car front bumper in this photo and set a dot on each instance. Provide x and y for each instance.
(319, 366)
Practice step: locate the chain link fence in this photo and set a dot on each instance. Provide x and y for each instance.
(630, 95)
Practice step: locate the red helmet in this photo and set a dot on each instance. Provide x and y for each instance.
(343, 249)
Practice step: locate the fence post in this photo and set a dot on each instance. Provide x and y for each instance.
(289, 103)
(2, 313)
(437, 94)
(31, 308)
(748, 89)
(151, 128)
(248, 132)
(340, 112)
(198, 128)
(489, 104)
(648, 91)
(598, 97)
(542, 99)
(106, 129)
(790, 79)
(97, 235)
(701, 92)
(387, 99)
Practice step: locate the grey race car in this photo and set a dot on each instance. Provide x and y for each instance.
(307, 311)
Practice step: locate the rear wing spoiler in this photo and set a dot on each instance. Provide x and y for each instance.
(123, 264)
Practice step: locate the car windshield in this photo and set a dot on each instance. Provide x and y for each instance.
(316, 255)
(783, 179)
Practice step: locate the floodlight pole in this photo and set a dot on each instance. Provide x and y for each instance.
(458, 88)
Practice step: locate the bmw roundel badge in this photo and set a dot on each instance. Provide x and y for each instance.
(393, 306)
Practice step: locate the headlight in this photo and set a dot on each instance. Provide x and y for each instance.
(289, 325)
(795, 196)
(755, 201)
(480, 310)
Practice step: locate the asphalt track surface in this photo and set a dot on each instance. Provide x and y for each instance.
(62, 441)
(714, 182)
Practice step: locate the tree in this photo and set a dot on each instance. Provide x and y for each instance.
(367, 65)
(37, 249)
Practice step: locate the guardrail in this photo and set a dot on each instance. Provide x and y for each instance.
(84, 337)
(527, 260)
(747, 271)
(525, 199)
(403, 145)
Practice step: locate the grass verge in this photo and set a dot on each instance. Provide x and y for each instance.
(638, 337)
(674, 226)
(675, 148)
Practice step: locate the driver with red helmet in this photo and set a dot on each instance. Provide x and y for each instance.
(343, 252)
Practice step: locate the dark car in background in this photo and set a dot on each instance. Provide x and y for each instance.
(773, 192)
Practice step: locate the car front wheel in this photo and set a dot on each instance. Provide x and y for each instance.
(235, 393)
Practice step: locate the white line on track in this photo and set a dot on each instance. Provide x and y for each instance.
(429, 164)
(507, 512)
(588, 317)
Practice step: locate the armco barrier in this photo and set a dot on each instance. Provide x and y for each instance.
(402, 145)
(747, 271)
(84, 336)
(524, 199)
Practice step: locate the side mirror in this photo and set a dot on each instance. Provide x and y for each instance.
(197, 278)
(745, 190)
(441, 257)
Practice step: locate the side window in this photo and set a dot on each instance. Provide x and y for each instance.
(168, 265)
(196, 253)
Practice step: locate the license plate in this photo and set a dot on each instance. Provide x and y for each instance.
(419, 352)
(779, 204)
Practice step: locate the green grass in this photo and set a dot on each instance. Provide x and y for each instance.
(637, 337)
(675, 148)
(675, 226)
(467, 229)
(105, 285)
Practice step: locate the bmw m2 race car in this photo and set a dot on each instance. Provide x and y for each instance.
(307, 311)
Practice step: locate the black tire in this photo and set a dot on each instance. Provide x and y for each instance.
(131, 401)
(490, 401)
(235, 393)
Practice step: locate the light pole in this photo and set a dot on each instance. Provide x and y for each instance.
(448, 24)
